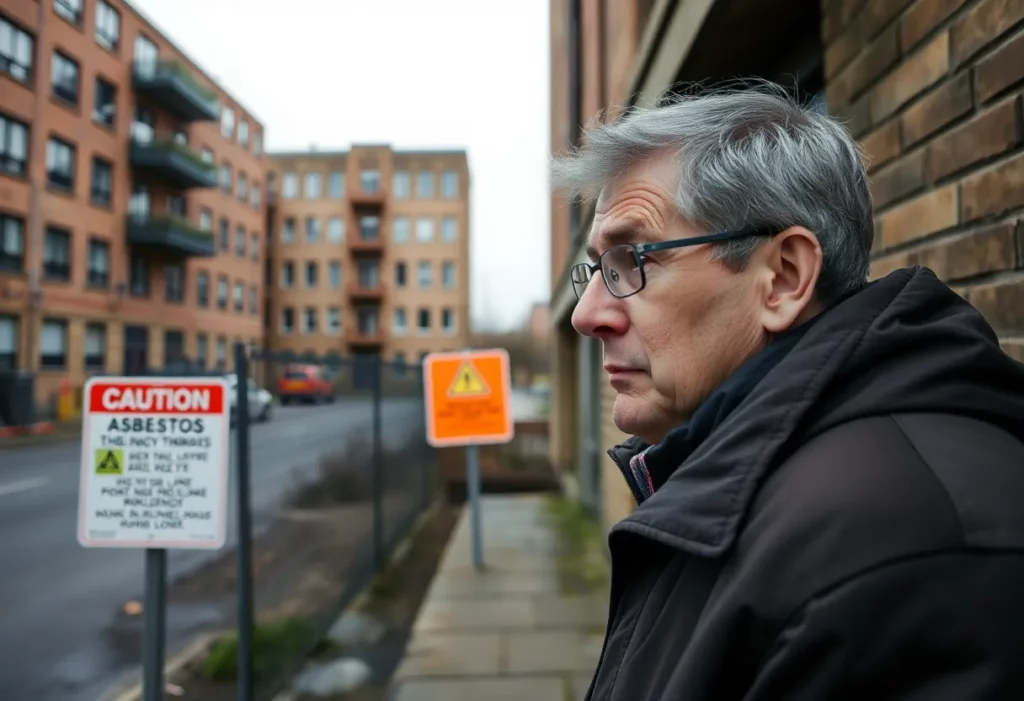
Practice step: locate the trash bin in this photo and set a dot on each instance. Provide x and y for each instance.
(17, 398)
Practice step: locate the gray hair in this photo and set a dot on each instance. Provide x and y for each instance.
(749, 156)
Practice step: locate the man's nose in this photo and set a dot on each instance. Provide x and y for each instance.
(599, 313)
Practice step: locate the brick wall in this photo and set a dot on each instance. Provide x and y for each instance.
(932, 90)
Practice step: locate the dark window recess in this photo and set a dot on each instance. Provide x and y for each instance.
(99, 264)
(13, 146)
(400, 275)
(60, 164)
(203, 290)
(287, 319)
(95, 346)
(174, 285)
(102, 183)
(222, 292)
(16, 51)
(57, 254)
(225, 235)
(12, 243)
(53, 344)
(174, 347)
(139, 277)
(64, 78)
(104, 108)
(8, 342)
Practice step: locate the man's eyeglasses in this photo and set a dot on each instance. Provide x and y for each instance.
(622, 266)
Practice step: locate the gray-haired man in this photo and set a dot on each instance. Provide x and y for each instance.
(829, 473)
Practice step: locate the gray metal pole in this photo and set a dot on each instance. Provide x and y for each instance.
(245, 596)
(155, 625)
(473, 487)
(378, 469)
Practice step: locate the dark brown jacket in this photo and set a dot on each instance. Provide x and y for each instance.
(843, 519)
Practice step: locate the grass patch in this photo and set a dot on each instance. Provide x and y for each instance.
(582, 565)
(275, 644)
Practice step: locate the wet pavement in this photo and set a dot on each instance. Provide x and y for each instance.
(58, 600)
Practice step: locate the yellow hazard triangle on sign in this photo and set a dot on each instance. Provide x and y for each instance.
(468, 383)
(109, 462)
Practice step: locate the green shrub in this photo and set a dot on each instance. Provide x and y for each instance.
(275, 643)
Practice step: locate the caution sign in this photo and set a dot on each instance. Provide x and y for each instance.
(109, 461)
(468, 397)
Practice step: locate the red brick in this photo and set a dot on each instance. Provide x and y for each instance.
(882, 145)
(921, 19)
(1001, 70)
(856, 116)
(983, 25)
(988, 134)
(896, 181)
(964, 256)
(994, 190)
(948, 102)
(869, 64)
(1002, 304)
(916, 74)
(927, 214)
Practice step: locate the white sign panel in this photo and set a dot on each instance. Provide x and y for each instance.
(154, 463)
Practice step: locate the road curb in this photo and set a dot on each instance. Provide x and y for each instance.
(190, 652)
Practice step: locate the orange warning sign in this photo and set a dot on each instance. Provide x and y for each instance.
(468, 397)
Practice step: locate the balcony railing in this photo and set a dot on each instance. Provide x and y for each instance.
(366, 246)
(364, 338)
(175, 163)
(173, 86)
(359, 292)
(171, 234)
(367, 198)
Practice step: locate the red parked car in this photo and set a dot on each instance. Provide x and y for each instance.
(305, 383)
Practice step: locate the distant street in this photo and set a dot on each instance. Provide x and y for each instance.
(57, 598)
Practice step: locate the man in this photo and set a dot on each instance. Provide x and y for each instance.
(829, 473)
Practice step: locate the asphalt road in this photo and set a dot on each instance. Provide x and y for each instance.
(57, 598)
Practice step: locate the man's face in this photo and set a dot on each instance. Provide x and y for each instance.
(693, 324)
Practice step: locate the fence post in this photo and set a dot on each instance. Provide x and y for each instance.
(245, 598)
(429, 466)
(378, 468)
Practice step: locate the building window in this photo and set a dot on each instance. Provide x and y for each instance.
(142, 129)
(449, 229)
(369, 228)
(238, 295)
(425, 185)
(254, 192)
(369, 273)
(60, 164)
(287, 275)
(312, 229)
(402, 185)
(95, 346)
(174, 347)
(423, 320)
(102, 183)
(222, 353)
(333, 321)
(108, 26)
(222, 292)
(448, 274)
(138, 203)
(367, 320)
(207, 155)
(205, 219)
(53, 345)
(400, 325)
(447, 320)
(13, 146)
(311, 274)
(202, 349)
(287, 320)
(335, 230)
(16, 50)
(400, 274)
(174, 283)
(203, 289)
(8, 343)
(312, 189)
(369, 181)
(257, 143)
(104, 108)
(243, 132)
(242, 191)
(335, 186)
(225, 177)
(289, 186)
(424, 274)
(138, 274)
(400, 229)
(449, 185)
(254, 302)
(225, 234)
(64, 78)
(309, 320)
(176, 206)
(288, 230)
(240, 241)
(71, 10)
(57, 254)
(254, 246)
(12, 243)
(99, 264)
(425, 230)
(334, 274)
(227, 122)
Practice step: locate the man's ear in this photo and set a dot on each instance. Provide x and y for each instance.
(792, 265)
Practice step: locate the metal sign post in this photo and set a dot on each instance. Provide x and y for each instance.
(245, 597)
(155, 630)
(468, 403)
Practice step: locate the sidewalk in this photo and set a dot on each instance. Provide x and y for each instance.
(513, 631)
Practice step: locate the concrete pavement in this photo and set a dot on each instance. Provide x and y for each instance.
(510, 632)
(58, 600)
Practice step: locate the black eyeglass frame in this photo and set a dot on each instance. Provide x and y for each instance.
(639, 249)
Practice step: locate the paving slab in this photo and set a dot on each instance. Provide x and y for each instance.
(451, 654)
(494, 689)
(551, 651)
(487, 614)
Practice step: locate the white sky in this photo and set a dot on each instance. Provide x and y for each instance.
(467, 74)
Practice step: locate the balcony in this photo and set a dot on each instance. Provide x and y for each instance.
(172, 86)
(174, 163)
(367, 198)
(170, 234)
(359, 292)
(358, 338)
(367, 246)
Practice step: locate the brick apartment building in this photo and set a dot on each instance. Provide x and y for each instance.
(131, 215)
(930, 88)
(369, 252)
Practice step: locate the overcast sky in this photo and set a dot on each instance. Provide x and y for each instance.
(467, 74)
